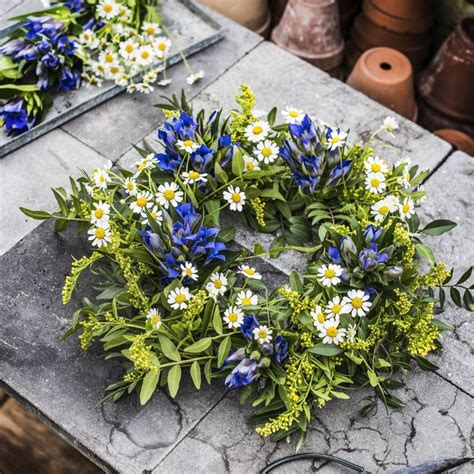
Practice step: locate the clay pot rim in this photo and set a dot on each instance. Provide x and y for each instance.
(264, 30)
(414, 19)
(321, 3)
(444, 133)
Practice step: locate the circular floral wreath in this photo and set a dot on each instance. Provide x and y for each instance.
(174, 292)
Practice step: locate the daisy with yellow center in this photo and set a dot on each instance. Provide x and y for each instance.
(267, 151)
(128, 49)
(246, 298)
(143, 200)
(249, 272)
(187, 145)
(375, 183)
(380, 210)
(374, 164)
(336, 307)
(336, 139)
(217, 285)
(262, 334)
(179, 297)
(195, 77)
(100, 235)
(169, 195)
(329, 275)
(151, 29)
(257, 131)
(407, 208)
(144, 164)
(250, 164)
(101, 179)
(190, 177)
(389, 125)
(144, 56)
(155, 214)
(188, 270)
(318, 316)
(100, 213)
(293, 115)
(235, 197)
(358, 303)
(107, 9)
(89, 39)
(161, 46)
(155, 318)
(130, 186)
(234, 317)
(331, 333)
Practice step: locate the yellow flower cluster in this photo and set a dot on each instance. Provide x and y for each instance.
(423, 334)
(341, 229)
(85, 211)
(403, 302)
(435, 277)
(259, 208)
(240, 119)
(297, 302)
(402, 237)
(141, 354)
(195, 306)
(306, 339)
(89, 326)
(170, 114)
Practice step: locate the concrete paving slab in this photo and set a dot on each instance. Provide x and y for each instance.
(12, 8)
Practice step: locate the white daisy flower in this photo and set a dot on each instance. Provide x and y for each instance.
(155, 318)
(164, 82)
(130, 186)
(404, 180)
(100, 214)
(89, 39)
(217, 285)
(89, 189)
(192, 78)
(337, 138)
(155, 213)
(114, 70)
(390, 124)
(375, 183)
(234, 317)
(151, 76)
(161, 46)
(249, 272)
(358, 302)
(262, 334)
(293, 115)
(168, 193)
(144, 88)
(257, 131)
(267, 151)
(329, 275)
(251, 164)
(145, 163)
(381, 209)
(194, 177)
(151, 29)
(188, 270)
(331, 333)
(128, 49)
(144, 56)
(374, 164)
(125, 14)
(246, 298)
(101, 179)
(108, 57)
(351, 332)
(318, 317)
(143, 200)
(187, 145)
(336, 307)
(98, 69)
(107, 9)
(100, 235)
(235, 197)
(407, 208)
(178, 298)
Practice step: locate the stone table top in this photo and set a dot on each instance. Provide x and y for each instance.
(208, 431)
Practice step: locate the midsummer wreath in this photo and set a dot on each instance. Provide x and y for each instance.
(81, 42)
(174, 295)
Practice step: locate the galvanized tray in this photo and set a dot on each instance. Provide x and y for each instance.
(191, 29)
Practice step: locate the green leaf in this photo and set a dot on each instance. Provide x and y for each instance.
(174, 378)
(341, 395)
(196, 374)
(325, 349)
(39, 215)
(373, 379)
(423, 251)
(425, 364)
(357, 360)
(199, 346)
(217, 321)
(295, 282)
(149, 385)
(223, 352)
(439, 227)
(442, 325)
(455, 296)
(272, 116)
(465, 276)
(238, 163)
(208, 371)
(168, 348)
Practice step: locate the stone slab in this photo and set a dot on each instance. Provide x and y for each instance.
(63, 384)
(450, 192)
(27, 176)
(435, 424)
(12, 8)
(114, 126)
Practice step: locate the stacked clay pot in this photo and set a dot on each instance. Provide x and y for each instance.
(253, 14)
(310, 29)
(404, 25)
(446, 87)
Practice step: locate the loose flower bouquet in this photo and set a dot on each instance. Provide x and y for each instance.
(79, 41)
(175, 294)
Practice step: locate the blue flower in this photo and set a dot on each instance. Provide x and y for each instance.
(50, 60)
(369, 259)
(202, 159)
(372, 233)
(281, 349)
(338, 172)
(75, 6)
(305, 132)
(66, 46)
(249, 324)
(335, 255)
(169, 161)
(15, 115)
(69, 79)
(243, 374)
(37, 27)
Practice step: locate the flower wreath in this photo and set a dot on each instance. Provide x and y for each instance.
(79, 41)
(173, 293)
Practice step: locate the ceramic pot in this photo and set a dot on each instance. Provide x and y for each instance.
(447, 83)
(310, 29)
(277, 8)
(386, 75)
(402, 16)
(348, 10)
(253, 14)
(459, 140)
(365, 35)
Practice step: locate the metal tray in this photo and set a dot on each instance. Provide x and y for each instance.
(191, 28)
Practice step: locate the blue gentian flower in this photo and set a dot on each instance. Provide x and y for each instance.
(335, 255)
(169, 161)
(243, 374)
(202, 159)
(43, 26)
(66, 46)
(281, 349)
(75, 6)
(50, 60)
(69, 79)
(249, 324)
(370, 258)
(15, 115)
(43, 45)
(372, 233)
(305, 132)
(338, 172)
(348, 248)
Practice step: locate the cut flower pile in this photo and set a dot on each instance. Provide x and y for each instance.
(175, 294)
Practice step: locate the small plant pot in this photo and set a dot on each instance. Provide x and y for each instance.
(253, 14)
(386, 75)
(402, 16)
(447, 83)
(459, 140)
(310, 29)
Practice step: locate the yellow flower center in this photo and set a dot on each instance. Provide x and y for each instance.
(374, 182)
(162, 46)
(246, 301)
(321, 318)
(150, 30)
(218, 284)
(357, 302)
(293, 113)
(107, 8)
(188, 143)
(262, 334)
(233, 317)
(266, 152)
(145, 54)
(169, 194)
(329, 273)
(188, 271)
(114, 69)
(100, 233)
(257, 129)
(108, 58)
(336, 309)
(335, 140)
(102, 178)
(249, 271)
(236, 197)
(194, 175)
(129, 48)
(99, 213)
(249, 165)
(376, 168)
(130, 186)
(331, 331)
(406, 208)
(155, 319)
(142, 201)
(383, 210)
(180, 298)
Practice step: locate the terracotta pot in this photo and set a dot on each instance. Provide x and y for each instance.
(402, 16)
(310, 29)
(348, 10)
(461, 141)
(277, 7)
(254, 14)
(386, 75)
(447, 83)
(366, 34)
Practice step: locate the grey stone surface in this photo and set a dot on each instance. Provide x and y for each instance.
(114, 126)
(436, 424)
(27, 176)
(64, 384)
(11, 8)
(450, 192)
